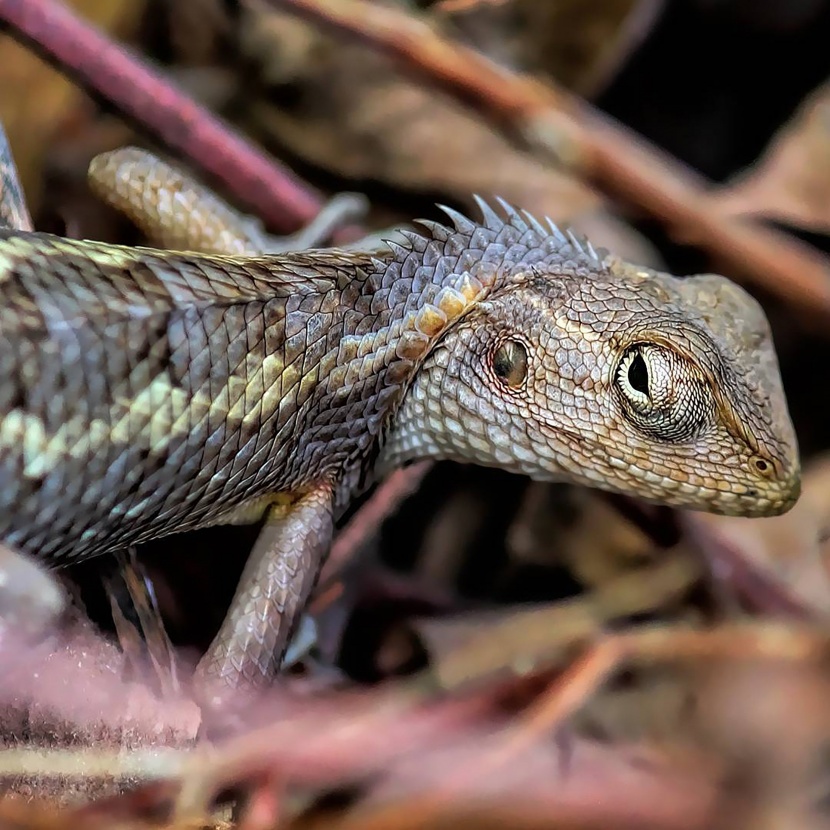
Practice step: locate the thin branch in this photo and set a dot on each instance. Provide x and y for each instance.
(143, 95)
(383, 503)
(561, 126)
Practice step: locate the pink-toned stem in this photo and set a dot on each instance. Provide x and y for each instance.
(142, 94)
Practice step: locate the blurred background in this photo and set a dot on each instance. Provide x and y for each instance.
(643, 124)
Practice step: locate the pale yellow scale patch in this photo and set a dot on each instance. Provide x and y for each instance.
(431, 321)
(42, 453)
(453, 303)
(21, 429)
(159, 408)
(470, 289)
(235, 399)
(114, 257)
(265, 389)
(252, 511)
(15, 249)
(75, 439)
(272, 367)
(7, 264)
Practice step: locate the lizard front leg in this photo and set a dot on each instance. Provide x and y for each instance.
(273, 590)
(176, 210)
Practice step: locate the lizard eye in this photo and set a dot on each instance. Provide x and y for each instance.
(663, 393)
(510, 363)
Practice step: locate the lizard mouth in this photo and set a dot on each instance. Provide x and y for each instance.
(784, 495)
(753, 497)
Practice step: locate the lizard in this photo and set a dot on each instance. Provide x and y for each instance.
(148, 391)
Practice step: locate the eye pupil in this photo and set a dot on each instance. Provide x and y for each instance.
(638, 374)
(510, 363)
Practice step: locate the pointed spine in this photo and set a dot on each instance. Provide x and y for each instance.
(461, 223)
(535, 224)
(555, 231)
(439, 232)
(489, 216)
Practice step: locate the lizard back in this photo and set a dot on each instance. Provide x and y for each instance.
(146, 393)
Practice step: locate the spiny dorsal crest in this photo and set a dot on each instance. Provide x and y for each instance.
(494, 248)
(434, 277)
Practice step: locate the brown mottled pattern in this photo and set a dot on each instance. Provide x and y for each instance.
(149, 393)
(568, 421)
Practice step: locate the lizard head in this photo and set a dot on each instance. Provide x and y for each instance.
(582, 368)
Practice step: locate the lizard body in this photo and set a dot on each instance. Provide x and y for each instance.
(145, 392)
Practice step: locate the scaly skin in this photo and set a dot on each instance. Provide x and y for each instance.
(147, 392)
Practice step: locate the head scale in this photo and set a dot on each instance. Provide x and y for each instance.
(577, 367)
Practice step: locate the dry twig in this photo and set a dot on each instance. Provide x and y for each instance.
(143, 95)
(603, 152)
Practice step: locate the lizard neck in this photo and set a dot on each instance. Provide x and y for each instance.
(390, 316)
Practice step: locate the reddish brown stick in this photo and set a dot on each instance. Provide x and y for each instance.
(136, 90)
(594, 146)
(383, 503)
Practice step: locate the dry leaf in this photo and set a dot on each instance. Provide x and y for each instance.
(791, 182)
(352, 112)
